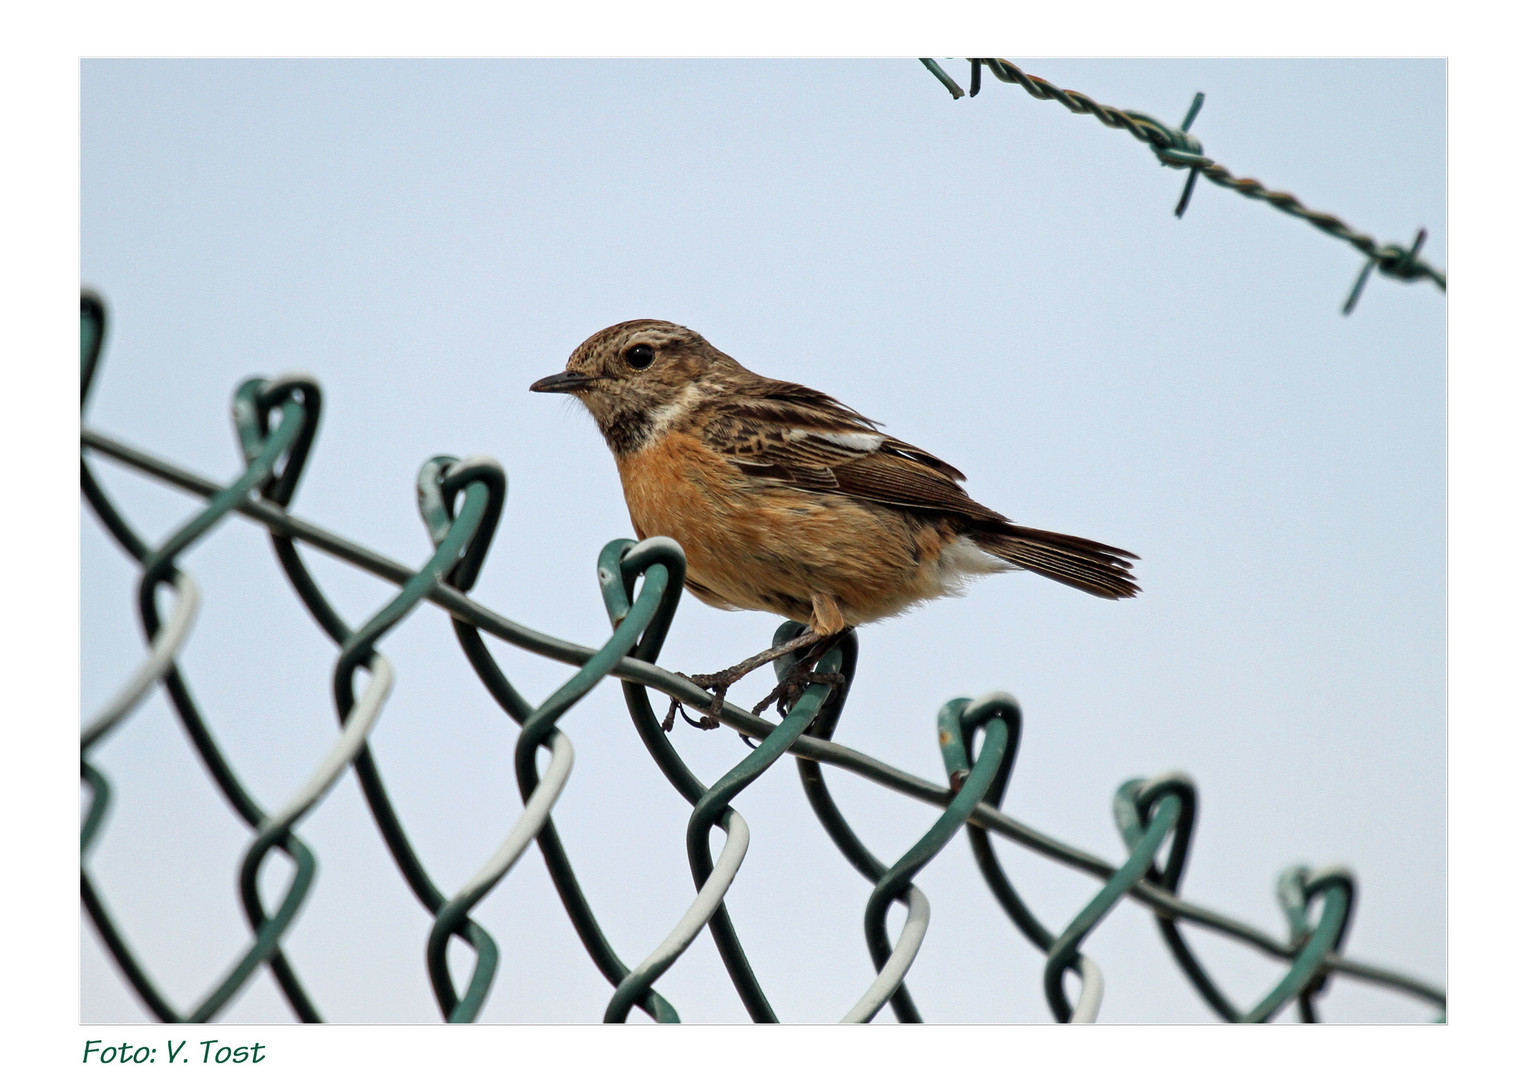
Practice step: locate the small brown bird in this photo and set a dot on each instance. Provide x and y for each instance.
(788, 501)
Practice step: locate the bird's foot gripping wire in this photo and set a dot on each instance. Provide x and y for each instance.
(815, 646)
(784, 696)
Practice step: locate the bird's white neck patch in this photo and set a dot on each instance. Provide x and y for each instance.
(662, 417)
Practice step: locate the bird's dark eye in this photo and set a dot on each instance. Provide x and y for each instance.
(640, 356)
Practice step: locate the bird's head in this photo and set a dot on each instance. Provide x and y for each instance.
(638, 377)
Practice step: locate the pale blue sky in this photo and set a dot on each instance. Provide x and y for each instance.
(996, 280)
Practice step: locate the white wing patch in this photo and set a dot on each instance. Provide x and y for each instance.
(866, 442)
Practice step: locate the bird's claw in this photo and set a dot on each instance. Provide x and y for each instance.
(784, 696)
(711, 718)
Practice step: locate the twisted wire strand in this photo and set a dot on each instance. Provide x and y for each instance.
(441, 480)
(696, 917)
(994, 713)
(163, 652)
(858, 855)
(958, 722)
(1065, 952)
(653, 607)
(893, 969)
(265, 948)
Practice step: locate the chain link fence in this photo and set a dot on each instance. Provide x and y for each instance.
(460, 502)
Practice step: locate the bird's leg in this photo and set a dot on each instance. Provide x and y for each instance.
(721, 681)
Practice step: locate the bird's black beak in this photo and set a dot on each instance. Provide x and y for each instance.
(563, 382)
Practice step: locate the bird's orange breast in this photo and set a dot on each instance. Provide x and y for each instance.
(676, 486)
(817, 557)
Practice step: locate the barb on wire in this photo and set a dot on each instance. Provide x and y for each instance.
(1175, 148)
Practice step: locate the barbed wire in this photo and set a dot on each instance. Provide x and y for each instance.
(641, 583)
(1175, 148)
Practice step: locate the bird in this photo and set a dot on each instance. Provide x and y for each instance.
(786, 500)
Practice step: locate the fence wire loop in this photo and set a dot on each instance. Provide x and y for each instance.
(288, 440)
(442, 481)
(1297, 889)
(1133, 806)
(253, 403)
(957, 724)
(650, 611)
(459, 537)
(1336, 888)
(461, 503)
(712, 808)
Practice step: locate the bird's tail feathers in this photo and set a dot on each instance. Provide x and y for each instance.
(1082, 564)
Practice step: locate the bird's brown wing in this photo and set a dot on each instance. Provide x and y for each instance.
(805, 439)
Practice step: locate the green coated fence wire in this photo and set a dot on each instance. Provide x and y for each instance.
(1175, 148)
(460, 502)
